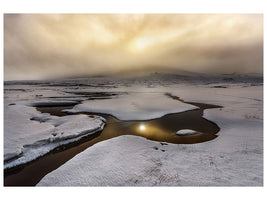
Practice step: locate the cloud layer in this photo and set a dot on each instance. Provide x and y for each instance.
(38, 46)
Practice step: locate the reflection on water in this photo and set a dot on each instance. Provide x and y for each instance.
(142, 127)
(163, 129)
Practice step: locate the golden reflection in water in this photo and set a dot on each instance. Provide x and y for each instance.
(156, 132)
(162, 129)
(150, 131)
(142, 127)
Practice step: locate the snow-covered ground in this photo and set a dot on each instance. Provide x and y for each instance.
(234, 158)
(29, 134)
(134, 106)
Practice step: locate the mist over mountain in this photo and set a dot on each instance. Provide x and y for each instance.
(51, 46)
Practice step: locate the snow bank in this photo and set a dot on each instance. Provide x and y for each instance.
(74, 126)
(40, 148)
(134, 161)
(186, 132)
(239, 100)
(20, 130)
(29, 134)
(134, 106)
(26, 140)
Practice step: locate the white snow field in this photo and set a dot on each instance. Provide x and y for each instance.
(134, 106)
(29, 134)
(234, 158)
(26, 139)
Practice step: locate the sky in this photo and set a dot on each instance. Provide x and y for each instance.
(45, 46)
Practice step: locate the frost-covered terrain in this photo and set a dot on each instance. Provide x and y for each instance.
(186, 132)
(234, 158)
(29, 134)
(134, 106)
(26, 139)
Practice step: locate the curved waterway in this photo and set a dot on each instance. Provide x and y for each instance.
(162, 129)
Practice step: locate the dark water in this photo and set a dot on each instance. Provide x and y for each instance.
(162, 129)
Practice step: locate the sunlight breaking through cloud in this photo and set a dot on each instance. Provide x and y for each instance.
(38, 46)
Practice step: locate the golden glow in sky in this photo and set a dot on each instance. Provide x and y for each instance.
(140, 44)
(38, 46)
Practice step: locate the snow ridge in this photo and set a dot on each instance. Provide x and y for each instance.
(53, 132)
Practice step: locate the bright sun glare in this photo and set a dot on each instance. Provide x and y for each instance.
(141, 44)
(142, 127)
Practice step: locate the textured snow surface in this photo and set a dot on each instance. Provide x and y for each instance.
(135, 106)
(105, 164)
(30, 134)
(68, 127)
(25, 126)
(20, 130)
(235, 158)
(186, 132)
